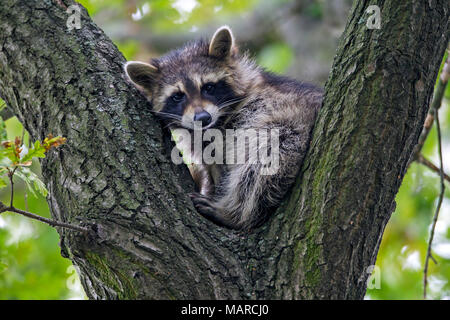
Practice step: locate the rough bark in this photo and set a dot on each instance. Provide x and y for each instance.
(116, 176)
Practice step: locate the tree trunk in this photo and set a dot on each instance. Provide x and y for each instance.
(115, 173)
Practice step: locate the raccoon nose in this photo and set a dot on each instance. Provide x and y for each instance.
(204, 117)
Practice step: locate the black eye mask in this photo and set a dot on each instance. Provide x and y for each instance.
(219, 94)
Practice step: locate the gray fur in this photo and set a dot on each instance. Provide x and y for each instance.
(242, 197)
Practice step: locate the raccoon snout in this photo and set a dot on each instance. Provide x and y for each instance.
(204, 117)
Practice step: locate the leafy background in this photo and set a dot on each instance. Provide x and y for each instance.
(297, 38)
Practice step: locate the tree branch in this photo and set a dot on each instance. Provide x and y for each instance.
(435, 105)
(438, 208)
(422, 160)
(50, 222)
(11, 181)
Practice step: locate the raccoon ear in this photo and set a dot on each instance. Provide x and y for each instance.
(141, 73)
(221, 43)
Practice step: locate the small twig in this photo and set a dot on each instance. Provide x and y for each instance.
(50, 222)
(424, 135)
(438, 208)
(11, 208)
(422, 160)
(432, 258)
(435, 105)
(11, 176)
(433, 115)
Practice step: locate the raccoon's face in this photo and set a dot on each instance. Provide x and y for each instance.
(193, 86)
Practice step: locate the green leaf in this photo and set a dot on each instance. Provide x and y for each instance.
(32, 181)
(33, 153)
(9, 152)
(3, 183)
(37, 152)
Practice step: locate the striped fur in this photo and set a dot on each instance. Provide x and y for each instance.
(245, 96)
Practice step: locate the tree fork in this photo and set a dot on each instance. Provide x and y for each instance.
(115, 172)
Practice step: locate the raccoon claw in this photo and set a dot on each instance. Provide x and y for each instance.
(207, 209)
(202, 204)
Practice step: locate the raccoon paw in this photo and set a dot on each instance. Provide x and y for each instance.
(207, 209)
(203, 204)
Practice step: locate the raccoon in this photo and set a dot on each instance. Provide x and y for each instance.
(214, 84)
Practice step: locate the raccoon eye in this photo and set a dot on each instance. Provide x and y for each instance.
(177, 97)
(209, 88)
